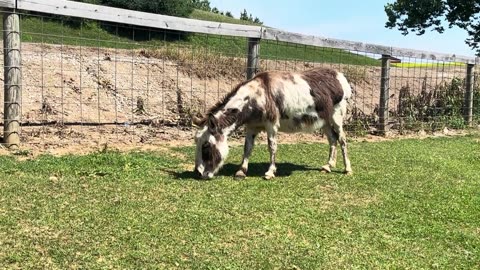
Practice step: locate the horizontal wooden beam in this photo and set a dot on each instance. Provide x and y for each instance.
(118, 15)
(130, 17)
(7, 3)
(279, 35)
(418, 54)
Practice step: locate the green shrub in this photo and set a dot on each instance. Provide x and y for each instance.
(358, 124)
(437, 108)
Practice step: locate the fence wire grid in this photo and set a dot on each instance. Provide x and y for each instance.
(90, 82)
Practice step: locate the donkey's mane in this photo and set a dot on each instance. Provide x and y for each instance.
(222, 102)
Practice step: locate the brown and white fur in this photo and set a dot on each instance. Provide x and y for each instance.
(275, 102)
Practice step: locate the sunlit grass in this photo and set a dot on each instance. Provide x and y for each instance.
(410, 204)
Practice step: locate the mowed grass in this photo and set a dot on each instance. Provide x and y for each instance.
(90, 34)
(410, 204)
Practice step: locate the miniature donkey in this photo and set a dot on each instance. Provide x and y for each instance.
(274, 101)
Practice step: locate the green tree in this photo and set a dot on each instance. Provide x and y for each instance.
(244, 15)
(249, 17)
(257, 20)
(202, 5)
(180, 8)
(229, 14)
(418, 15)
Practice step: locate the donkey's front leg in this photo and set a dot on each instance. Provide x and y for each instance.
(247, 151)
(272, 147)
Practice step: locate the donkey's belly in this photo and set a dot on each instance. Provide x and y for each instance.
(301, 123)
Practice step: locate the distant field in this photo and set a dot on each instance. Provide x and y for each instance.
(428, 65)
(90, 34)
(410, 204)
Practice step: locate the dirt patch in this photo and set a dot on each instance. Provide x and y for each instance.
(80, 98)
(163, 139)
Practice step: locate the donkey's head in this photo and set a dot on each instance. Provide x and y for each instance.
(212, 148)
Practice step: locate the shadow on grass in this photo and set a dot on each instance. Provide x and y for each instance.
(254, 170)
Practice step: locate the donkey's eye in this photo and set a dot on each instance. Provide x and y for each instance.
(206, 151)
(205, 146)
(233, 110)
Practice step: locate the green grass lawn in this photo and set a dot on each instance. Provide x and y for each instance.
(410, 204)
(37, 30)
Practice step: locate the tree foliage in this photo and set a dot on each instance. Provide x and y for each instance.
(179, 8)
(202, 5)
(418, 15)
(244, 15)
(248, 17)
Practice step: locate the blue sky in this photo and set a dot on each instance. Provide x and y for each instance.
(348, 19)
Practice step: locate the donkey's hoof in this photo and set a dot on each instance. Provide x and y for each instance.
(240, 175)
(348, 172)
(326, 169)
(268, 176)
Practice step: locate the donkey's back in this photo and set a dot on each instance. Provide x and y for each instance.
(299, 101)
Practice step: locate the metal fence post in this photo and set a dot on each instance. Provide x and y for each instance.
(12, 79)
(252, 57)
(384, 94)
(468, 102)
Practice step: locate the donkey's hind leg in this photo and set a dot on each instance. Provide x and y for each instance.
(332, 137)
(337, 124)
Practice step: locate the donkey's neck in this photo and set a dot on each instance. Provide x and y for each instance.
(230, 114)
(228, 121)
(229, 129)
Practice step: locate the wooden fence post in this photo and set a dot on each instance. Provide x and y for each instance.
(252, 57)
(384, 95)
(468, 102)
(12, 79)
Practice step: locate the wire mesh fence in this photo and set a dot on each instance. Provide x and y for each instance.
(87, 81)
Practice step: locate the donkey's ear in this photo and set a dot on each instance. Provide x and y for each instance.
(212, 124)
(197, 121)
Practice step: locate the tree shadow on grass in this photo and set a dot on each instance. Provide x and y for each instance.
(254, 170)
